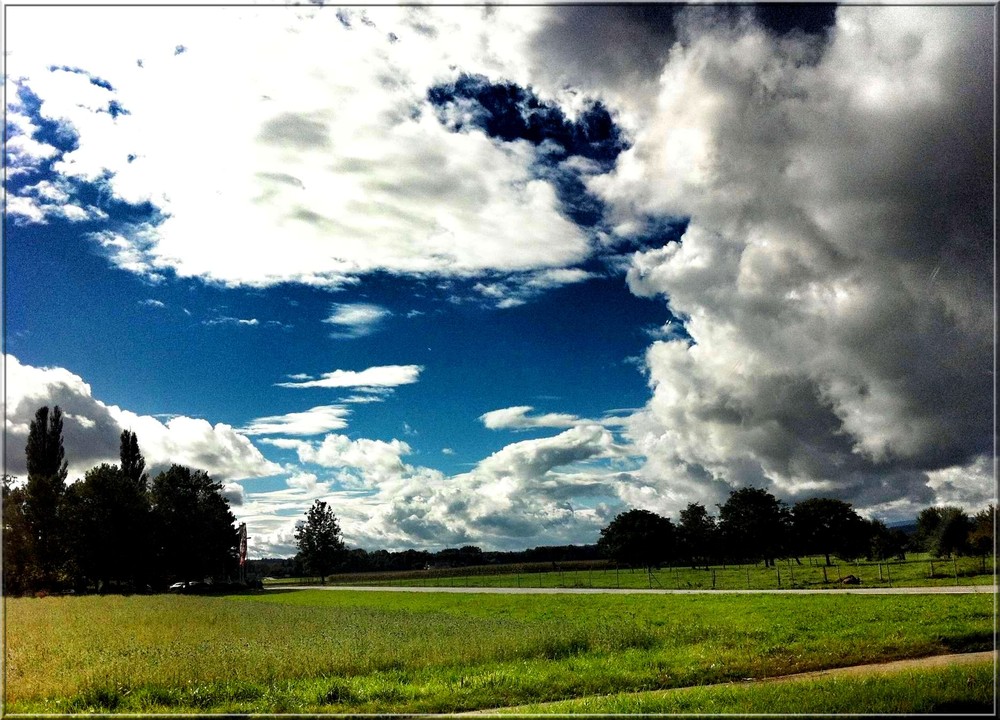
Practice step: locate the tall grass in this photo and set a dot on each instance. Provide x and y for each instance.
(951, 690)
(398, 652)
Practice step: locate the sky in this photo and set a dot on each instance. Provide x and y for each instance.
(493, 275)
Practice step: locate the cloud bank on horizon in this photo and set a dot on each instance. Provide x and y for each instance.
(812, 204)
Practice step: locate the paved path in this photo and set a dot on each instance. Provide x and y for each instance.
(948, 590)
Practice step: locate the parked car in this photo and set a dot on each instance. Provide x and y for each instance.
(183, 586)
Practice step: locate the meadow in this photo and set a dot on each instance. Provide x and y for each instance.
(346, 652)
(920, 570)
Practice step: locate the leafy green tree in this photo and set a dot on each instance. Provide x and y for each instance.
(318, 538)
(638, 538)
(754, 525)
(953, 533)
(192, 526)
(107, 526)
(17, 560)
(944, 531)
(825, 526)
(43, 493)
(982, 540)
(696, 534)
(885, 543)
(928, 524)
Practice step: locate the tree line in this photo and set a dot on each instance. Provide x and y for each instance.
(115, 529)
(316, 559)
(754, 526)
(751, 526)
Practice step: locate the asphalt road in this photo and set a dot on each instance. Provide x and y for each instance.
(947, 590)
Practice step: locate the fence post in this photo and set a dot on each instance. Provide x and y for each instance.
(932, 570)
(713, 578)
(880, 572)
(618, 581)
(777, 570)
(825, 579)
(888, 573)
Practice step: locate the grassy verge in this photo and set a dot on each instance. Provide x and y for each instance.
(966, 689)
(315, 651)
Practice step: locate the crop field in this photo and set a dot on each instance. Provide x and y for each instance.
(810, 572)
(347, 652)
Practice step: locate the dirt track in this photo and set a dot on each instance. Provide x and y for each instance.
(949, 589)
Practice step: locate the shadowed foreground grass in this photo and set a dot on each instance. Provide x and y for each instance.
(316, 651)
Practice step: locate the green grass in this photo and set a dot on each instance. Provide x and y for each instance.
(964, 689)
(916, 571)
(318, 651)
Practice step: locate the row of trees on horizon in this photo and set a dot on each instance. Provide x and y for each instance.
(752, 526)
(117, 528)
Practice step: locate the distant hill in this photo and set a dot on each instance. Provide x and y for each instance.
(907, 526)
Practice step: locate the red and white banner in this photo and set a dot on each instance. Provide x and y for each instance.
(243, 544)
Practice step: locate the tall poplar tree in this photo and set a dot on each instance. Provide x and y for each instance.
(44, 491)
(133, 463)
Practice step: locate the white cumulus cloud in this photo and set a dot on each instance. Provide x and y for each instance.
(92, 429)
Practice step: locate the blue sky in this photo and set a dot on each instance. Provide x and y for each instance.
(493, 276)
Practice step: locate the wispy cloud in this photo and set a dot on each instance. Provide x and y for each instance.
(314, 421)
(383, 376)
(151, 302)
(518, 418)
(250, 322)
(356, 319)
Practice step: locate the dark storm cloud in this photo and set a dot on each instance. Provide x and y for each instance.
(836, 276)
(784, 18)
(606, 44)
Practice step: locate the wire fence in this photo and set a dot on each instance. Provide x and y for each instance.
(789, 573)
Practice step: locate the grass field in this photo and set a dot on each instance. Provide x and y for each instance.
(316, 651)
(949, 690)
(917, 571)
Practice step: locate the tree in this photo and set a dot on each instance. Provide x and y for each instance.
(638, 538)
(107, 528)
(43, 493)
(952, 536)
(192, 526)
(696, 534)
(754, 525)
(981, 539)
(943, 531)
(133, 463)
(318, 539)
(825, 526)
(885, 543)
(17, 560)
